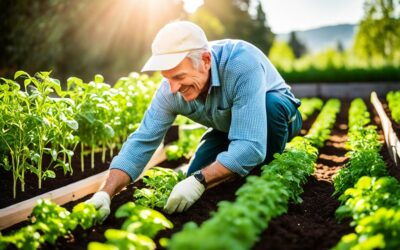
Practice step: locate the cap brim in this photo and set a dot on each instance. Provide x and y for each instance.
(164, 62)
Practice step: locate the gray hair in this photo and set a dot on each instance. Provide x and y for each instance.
(196, 55)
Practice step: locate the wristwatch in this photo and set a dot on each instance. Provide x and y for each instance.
(200, 177)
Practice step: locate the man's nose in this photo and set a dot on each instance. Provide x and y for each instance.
(174, 86)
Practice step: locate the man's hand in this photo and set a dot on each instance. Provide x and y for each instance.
(184, 194)
(101, 201)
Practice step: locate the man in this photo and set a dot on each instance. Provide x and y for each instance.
(229, 86)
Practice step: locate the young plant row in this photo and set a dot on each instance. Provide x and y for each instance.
(49, 222)
(187, 143)
(321, 128)
(238, 224)
(142, 223)
(43, 119)
(363, 143)
(374, 205)
(368, 195)
(393, 99)
(309, 106)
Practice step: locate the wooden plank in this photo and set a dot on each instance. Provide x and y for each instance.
(20, 211)
(391, 139)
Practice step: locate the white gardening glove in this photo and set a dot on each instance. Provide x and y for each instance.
(101, 201)
(184, 194)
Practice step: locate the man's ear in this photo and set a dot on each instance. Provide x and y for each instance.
(206, 57)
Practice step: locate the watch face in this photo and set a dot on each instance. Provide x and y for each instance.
(199, 176)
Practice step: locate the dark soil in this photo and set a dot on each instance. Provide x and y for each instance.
(309, 225)
(31, 180)
(61, 180)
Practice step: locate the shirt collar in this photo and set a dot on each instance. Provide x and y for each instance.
(214, 73)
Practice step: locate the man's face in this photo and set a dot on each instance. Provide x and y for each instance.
(190, 82)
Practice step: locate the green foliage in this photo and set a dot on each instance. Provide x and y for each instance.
(282, 56)
(372, 202)
(187, 143)
(234, 14)
(160, 182)
(321, 128)
(378, 36)
(43, 119)
(368, 195)
(393, 99)
(377, 231)
(109, 42)
(49, 222)
(137, 231)
(236, 225)
(363, 141)
(142, 220)
(309, 106)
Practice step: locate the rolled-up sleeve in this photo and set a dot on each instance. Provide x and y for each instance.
(141, 144)
(248, 130)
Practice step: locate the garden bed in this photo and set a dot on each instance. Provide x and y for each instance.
(309, 225)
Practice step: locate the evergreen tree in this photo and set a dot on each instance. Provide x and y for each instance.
(339, 46)
(298, 48)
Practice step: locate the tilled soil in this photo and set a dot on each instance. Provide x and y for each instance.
(309, 225)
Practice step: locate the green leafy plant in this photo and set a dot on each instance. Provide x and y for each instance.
(49, 222)
(309, 106)
(377, 231)
(160, 182)
(393, 99)
(141, 225)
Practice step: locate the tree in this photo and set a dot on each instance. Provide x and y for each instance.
(339, 46)
(261, 35)
(298, 48)
(81, 37)
(378, 36)
(239, 23)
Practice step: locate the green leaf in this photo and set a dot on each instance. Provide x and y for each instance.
(49, 174)
(21, 73)
(98, 78)
(101, 246)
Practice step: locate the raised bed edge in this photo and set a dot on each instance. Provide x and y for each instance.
(392, 142)
(16, 213)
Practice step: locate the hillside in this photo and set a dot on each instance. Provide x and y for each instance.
(324, 37)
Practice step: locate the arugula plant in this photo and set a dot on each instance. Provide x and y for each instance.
(309, 106)
(377, 231)
(237, 225)
(321, 128)
(363, 141)
(142, 224)
(368, 195)
(160, 182)
(49, 222)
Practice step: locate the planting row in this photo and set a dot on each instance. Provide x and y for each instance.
(368, 195)
(238, 224)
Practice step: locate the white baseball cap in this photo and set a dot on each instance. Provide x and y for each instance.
(172, 44)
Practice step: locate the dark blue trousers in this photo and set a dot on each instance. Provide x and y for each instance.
(283, 123)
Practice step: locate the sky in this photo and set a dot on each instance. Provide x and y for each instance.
(287, 15)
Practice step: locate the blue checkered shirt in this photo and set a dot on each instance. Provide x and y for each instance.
(240, 76)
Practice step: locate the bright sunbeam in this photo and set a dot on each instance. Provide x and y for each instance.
(191, 6)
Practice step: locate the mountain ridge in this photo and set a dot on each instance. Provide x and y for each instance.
(320, 38)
